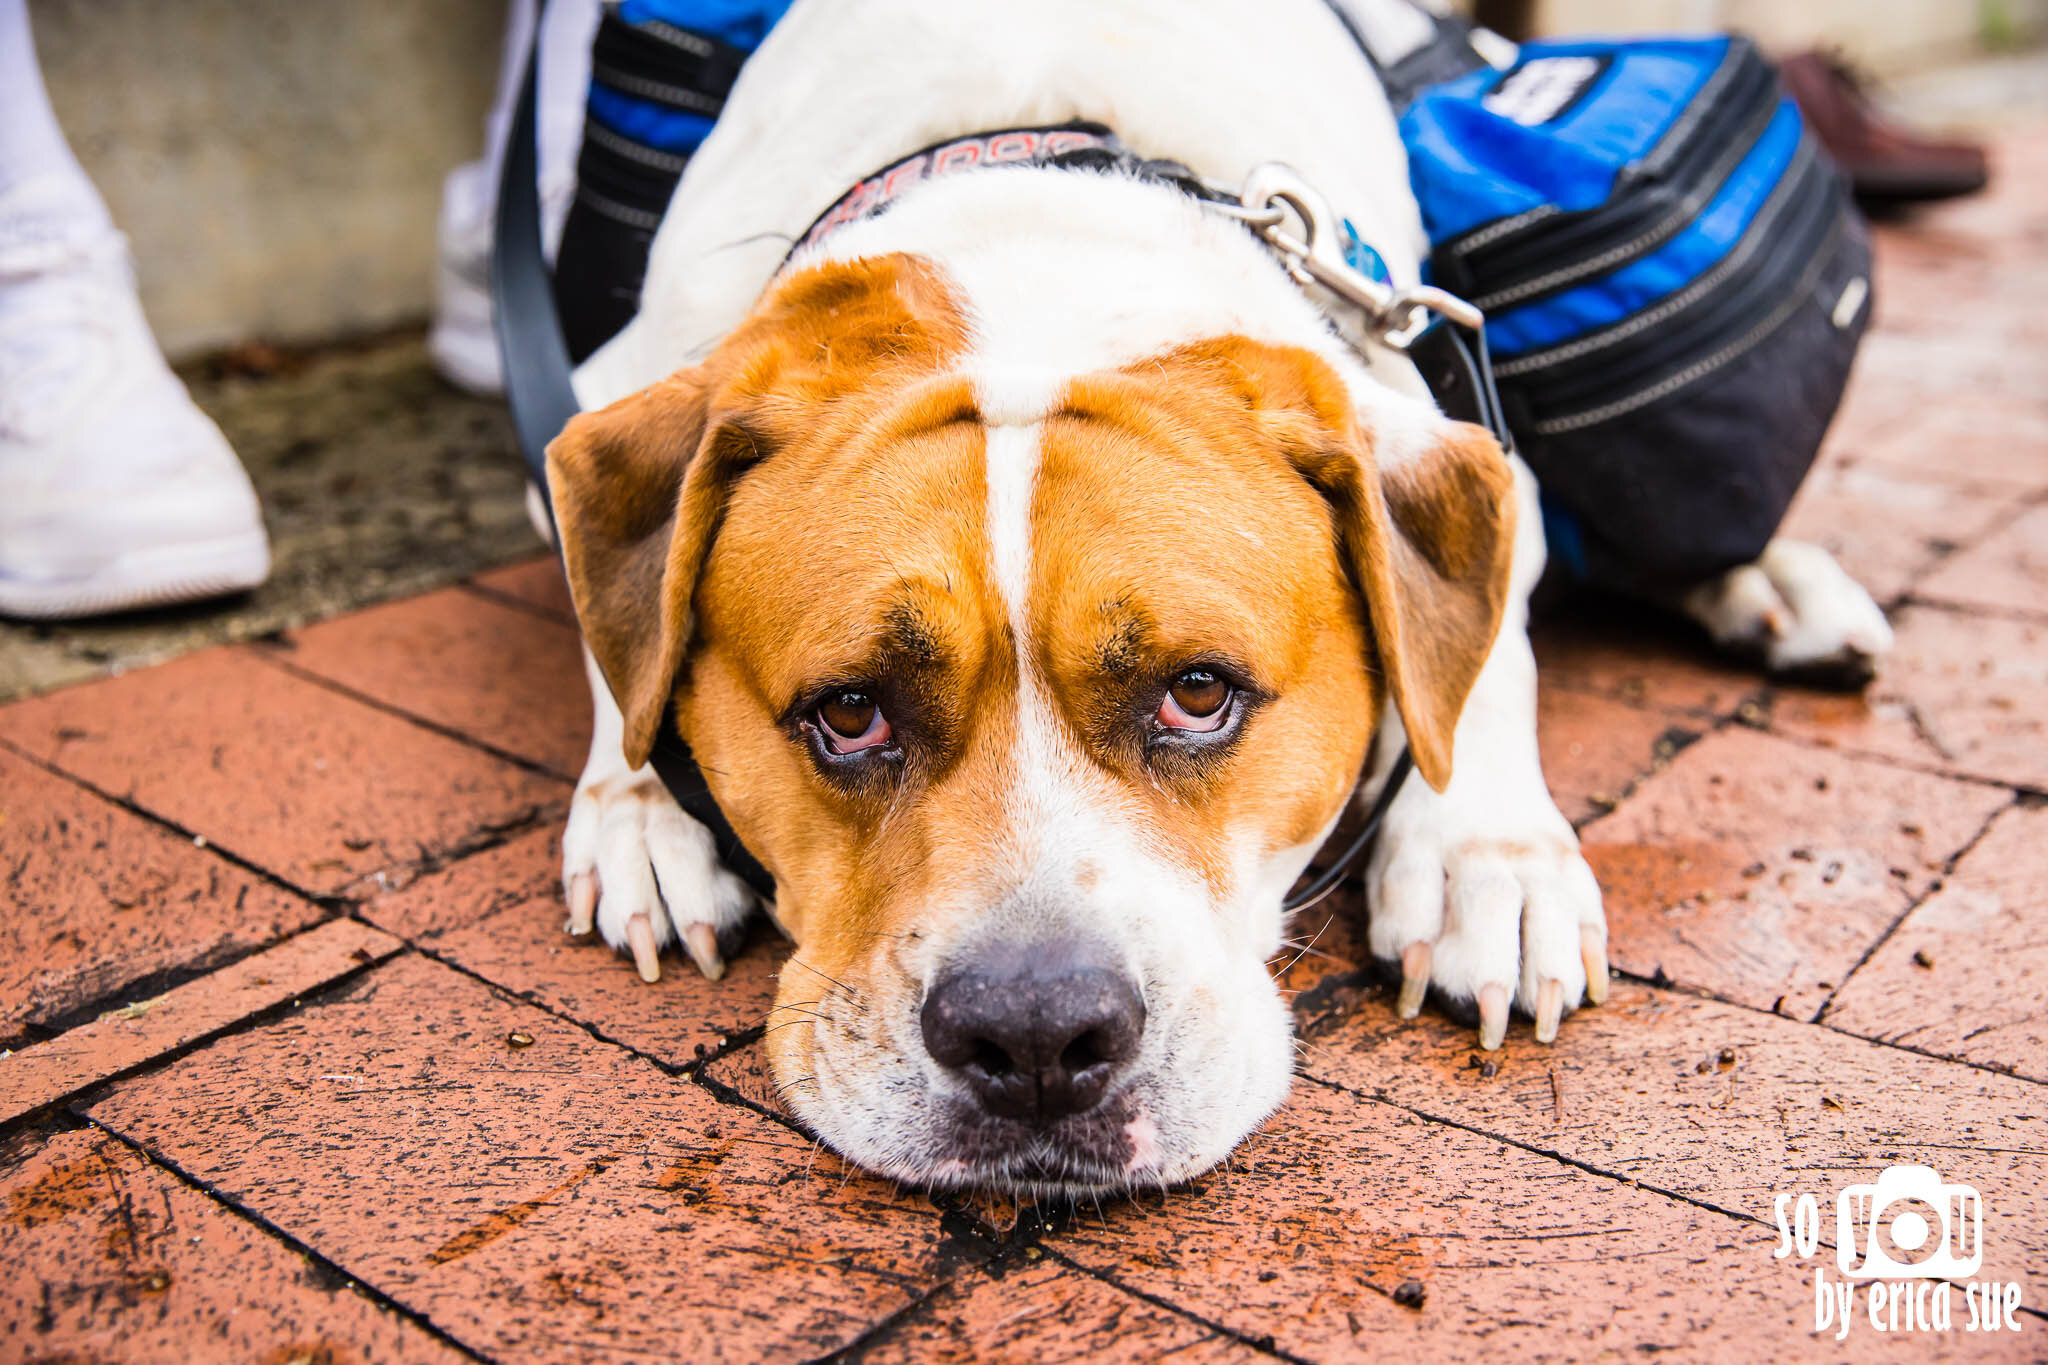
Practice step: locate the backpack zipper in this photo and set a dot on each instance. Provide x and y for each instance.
(1744, 321)
(1794, 197)
(1636, 216)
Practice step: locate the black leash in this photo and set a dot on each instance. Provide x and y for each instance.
(536, 360)
(537, 372)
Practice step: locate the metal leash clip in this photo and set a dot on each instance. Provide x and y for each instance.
(1315, 255)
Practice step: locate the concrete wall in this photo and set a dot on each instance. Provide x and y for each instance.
(1886, 35)
(277, 165)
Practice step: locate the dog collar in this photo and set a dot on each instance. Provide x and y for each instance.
(1059, 144)
(1317, 248)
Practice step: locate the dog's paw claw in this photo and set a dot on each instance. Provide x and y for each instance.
(1414, 980)
(644, 876)
(646, 957)
(582, 896)
(700, 941)
(1593, 956)
(1493, 1016)
(1549, 1009)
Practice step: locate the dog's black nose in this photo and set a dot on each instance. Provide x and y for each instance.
(1037, 1033)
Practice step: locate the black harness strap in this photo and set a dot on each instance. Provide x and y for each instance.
(538, 388)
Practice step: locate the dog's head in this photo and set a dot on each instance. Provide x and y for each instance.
(1034, 717)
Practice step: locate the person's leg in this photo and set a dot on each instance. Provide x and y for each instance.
(464, 347)
(33, 144)
(115, 491)
(662, 71)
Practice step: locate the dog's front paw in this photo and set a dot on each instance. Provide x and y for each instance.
(1485, 898)
(645, 875)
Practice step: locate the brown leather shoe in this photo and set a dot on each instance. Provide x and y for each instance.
(1884, 162)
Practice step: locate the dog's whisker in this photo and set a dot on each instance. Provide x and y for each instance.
(851, 993)
(1304, 952)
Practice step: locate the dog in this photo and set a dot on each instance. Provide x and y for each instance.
(1038, 579)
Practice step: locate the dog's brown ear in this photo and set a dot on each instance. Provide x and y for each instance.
(638, 488)
(1433, 546)
(1428, 540)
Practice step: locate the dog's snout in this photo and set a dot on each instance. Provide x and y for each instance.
(1036, 1034)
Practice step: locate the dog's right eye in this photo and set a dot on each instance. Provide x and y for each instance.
(1198, 701)
(850, 720)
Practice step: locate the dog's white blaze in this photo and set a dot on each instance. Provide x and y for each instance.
(1053, 818)
(1012, 475)
(1012, 481)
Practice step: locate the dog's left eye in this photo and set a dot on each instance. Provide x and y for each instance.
(850, 720)
(1198, 701)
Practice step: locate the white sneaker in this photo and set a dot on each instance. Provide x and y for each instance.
(116, 491)
(463, 342)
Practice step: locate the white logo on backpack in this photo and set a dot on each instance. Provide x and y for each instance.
(1538, 91)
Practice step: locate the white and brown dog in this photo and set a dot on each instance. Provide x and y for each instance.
(1037, 578)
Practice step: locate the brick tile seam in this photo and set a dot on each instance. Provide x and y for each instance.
(1675, 988)
(1931, 768)
(1934, 888)
(1912, 597)
(1941, 553)
(482, 840)
(506, 599)
(346, 901)
(1577, 1163)
(1679, 737)
(880, 1332)
(190, 836)
(688, 1071)
(1522, 1144)
(274, 656)
(330, 1269)
(2018, 509)
(1264, 1344)
(1709, 726)
(256, 1018)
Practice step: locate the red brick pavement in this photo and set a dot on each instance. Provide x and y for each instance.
(304, 1069)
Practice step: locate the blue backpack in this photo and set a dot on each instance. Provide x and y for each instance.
(1674, 279)
(1674, 282)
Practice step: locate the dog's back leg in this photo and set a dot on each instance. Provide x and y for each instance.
(1798, 611)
